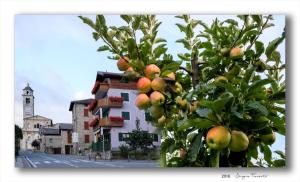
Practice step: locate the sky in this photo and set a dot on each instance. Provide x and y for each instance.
(57, 56)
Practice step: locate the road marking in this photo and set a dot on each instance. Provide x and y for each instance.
(47, 162)
(30, 162)
(36, 162)
(57, 161)
(83, 160)
(69, 164)
(75, 161)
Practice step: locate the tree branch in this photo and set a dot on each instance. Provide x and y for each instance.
(240, 33)
(185, 69)
(276, 68)
(260, 32)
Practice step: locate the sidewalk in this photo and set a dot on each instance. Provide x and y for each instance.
(20, 162)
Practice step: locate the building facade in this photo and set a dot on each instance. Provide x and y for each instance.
(115, 113)
(56, 139)
(82, 132)
(30, 130)
(31, 122)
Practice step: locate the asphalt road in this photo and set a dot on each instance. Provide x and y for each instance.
(31, 159)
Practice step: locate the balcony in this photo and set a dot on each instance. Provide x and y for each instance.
(111, 101)
(112, 121)
(93, 122)
(100, 86)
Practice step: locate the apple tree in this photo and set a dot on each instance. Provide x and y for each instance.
(220, 101)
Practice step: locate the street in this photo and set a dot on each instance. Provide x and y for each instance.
(29, 159)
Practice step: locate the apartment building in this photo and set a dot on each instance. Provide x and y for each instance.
(82, 132)
(115, 114)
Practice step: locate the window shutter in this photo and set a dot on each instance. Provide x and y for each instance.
(86, 138)
(120, 137)
(86, 112)
(86, 125)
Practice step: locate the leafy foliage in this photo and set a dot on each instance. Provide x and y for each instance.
(244, 93)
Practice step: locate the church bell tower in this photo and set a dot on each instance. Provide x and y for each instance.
(28, 102)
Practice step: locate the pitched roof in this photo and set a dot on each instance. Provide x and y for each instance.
(28, 87)
(83, 102)
(65, 126)
(37, 117)
(101, 75)
(49, 131)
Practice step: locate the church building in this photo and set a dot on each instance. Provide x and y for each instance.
(31, 123)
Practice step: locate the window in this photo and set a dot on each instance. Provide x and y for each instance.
(155, 137)
(50, 140)
(27, 100)
(86, 112)
(125, 96)
(148, 116)
(126, 115)
(123, 136)
(38, 125)
(105, 113)
(69, 137)
(86, 125)
(86, 139)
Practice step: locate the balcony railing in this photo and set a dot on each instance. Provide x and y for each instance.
(114, 121)
(110, 102)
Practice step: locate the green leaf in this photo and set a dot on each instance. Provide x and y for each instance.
(237, 112)
(275, 56)
(277, 96)
(181, 27)
(252, 150)
(185, 43)
(203, 112)
(257, 19)
(103, 48)
(87, 21)
(126, 18)
(158, 40)
(232, 22)
(183, 124)
(258, 84)
(196, 145)
(100, 20)
(189, 31)
(218, 104)
(131, 47)
(206, 45)
(166, 144)
(227, 86)
(201, 123)
(174, 66)
(159, 50)
(280, 153)
(258, 106)
(259, 48)
(279, 163)
(183, 57)
(273, 45)
(267, 153)
(136, 22)
(96, 36)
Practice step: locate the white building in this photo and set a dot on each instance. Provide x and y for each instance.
(115, 112)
